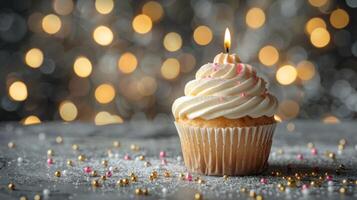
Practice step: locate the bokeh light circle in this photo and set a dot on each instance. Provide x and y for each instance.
(154, 10)
(202, 35)
(51, 24)
(255, 18)
(142, 24)
(82, 67)
(127, 63)
(320, 37)
(31, 120)
(34, 58)
(305, 70)
(63, 7)
(68, 111)
(103, 35)
(104, 6)
(286, 75)
(314, 23)
(339, 18)
(318, 3)
(172, 41)
(18, 91)
(170, 68)
(268, 55)
(104, 93)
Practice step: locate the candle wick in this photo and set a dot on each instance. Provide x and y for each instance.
(227, 50)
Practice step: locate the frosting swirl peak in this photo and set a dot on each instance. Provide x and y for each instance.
(225, 88)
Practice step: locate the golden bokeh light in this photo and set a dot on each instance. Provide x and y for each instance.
(320, 37)
(202, 35)
(268, 55)
(31, 120)
(314, 23)
(339, 18)
(330, 119)
(154, 10)
(286, 75)
(142, 24)
(170, 68)
(82, 67)
(51, 24)
(318, 3)
(105, 118)
(255, 18)
(34, 58)
(63, 7)
(127, 63)
(103, 35)
(104, 6)
(288, 109)
(147, 86)
(18, 91)
(172, 41)
(68, 111)
(104, 93)
(305, 70)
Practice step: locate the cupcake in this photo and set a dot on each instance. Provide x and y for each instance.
(226, 119)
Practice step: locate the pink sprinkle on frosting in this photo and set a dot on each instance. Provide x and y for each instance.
(239, 68)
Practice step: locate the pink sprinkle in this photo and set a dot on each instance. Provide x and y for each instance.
(329, 178)
(221, 99)
(305, 187)
(163, 162)
(50, 161)
(215, 67)
(263, 181)
(300, 156)
(127, 157)
(188, 177)
(238, 82)
(314, 151)
(162, 154)
(108, 174)
(87, 170)
(243, 94)
(239, 68)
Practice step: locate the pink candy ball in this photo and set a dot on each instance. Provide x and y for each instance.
(304, 187)
(188, 177)
(329, 178)
(50, 161)
(263, 181)
(314, 151)
(87, 170)
(300, 156)
(162, 154)
(108, 174)
(127, 157)
(163, 162)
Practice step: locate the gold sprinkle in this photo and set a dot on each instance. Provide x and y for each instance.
(201, 181)
(145, 191)
(11, 186)
(154, 174)
(133, 178)
(198, 196)
(131, 174)
(37, 197)
(126, 181)
(138, 191)
(225, 177)
(252, 193)
(342, 190)
(332, 155)
(120, 182)
(345, 181)
(58, 174)
(167, 174)
(50, 152)
(116, 144)
(94, 173)
(151, 178)
(105, 163)
(141, 157)
(69, 163)
(23, 198)
(103, 177)
(282, 188)
(75, 147)
(59, 140)
(259, 197)
(95, 183)
(291, 183)
(11, 145)
(134, 147)
(82, 158)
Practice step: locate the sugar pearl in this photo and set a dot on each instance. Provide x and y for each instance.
(162, 154)
(179, 158)
(64, 172)
(46, 192)
(20, 160)
(188, 177)
(164, 190)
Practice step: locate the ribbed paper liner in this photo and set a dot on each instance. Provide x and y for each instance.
(226, 151)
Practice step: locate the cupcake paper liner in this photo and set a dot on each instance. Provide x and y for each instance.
(234, 151)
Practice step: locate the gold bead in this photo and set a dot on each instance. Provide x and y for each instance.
(278, 173)
(252, 194)
(116, 144)
(151, 178)
(259, 197)
(282, 188)
(126, 181)
(50, 152)
(154, 174)
(59, 140)
(345, 181)
(243, 189)
(313, 173)
(310, 145)
(341, 147)
(103, 177)
(81, 157)
(105, 163)
(147, 164)
(145, 191)
(198, 196)
(291, 183)
(342, 190)
(201, 181)
(279, 185)
(37, 197)
(332, 155)
(94, 173)
(58, 174)
(133, 178)
(167, 174)
(95, 183)
(225, 177)
(11, 186)
(75, 147)
(11, 145)
(181, 176)
(141, 157)
(138, 191)
(120, 182)
(134, 147)
(23, 198)
(342, 141)
(69, 163)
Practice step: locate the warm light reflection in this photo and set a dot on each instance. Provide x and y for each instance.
(68, 111)
(105, 118)
(104, 6)
(127, 63)
(277, 118)
(318, 3)
(314, 23)
(330, 119)
(31, 120)
(142, 24)
(320, 37)
(172, 41)
(63, 7)
(170, 69)
(255, 18)
(104, 93)
(18, 91)
(286, 74)
(305, 70)
(154, 10)
(51, 24)
(103, 35)
(82, 67)
(34, 58)
(268, 55)
(288, 109)
(202, 35)
(339, 18)
(227, 40)
(147, 86)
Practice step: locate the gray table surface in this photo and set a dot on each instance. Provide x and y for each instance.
(33, 175)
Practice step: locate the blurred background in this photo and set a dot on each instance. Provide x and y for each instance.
(106, 61)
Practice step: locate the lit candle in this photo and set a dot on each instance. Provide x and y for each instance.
(227, 40)
(226, 57)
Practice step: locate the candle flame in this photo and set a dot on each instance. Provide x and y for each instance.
(227, 40)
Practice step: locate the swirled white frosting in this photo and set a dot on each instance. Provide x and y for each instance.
(225, 88)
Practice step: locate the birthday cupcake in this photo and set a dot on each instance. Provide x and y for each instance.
(226, 119)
